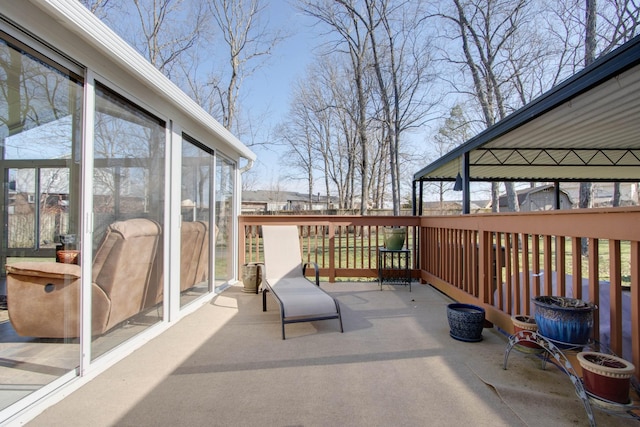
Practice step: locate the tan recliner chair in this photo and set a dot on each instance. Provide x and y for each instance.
(194, 259)
(44, 297)
(194, 253)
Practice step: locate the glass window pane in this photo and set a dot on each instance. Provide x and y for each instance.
(195, 231)
(40, 114)
(225, 184)
(128, 198)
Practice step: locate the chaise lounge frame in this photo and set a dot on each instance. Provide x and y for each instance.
(299, 299)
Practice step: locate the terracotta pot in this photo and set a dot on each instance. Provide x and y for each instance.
(606, 376)
(524, 322)
(68, 257)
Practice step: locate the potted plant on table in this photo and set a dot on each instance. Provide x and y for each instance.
(394, 237)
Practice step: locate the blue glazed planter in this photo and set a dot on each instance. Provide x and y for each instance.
(465, 321)
(565, 320)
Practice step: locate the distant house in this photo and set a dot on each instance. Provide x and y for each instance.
(265, 201)
(450, 207)
(540, 198)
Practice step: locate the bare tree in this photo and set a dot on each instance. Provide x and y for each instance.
(597, 28)
(401, 60)
(490, 33)
(352, 35)
(249, 40)
(318, 131)
(100, 8)
(453, 132)
(299, 135)
(342, 151)
(163, 31)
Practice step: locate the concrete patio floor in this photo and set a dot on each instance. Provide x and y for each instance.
(394, 365)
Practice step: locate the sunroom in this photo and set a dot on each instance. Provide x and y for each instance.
(120, 200)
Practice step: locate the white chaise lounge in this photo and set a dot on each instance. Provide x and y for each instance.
(299, 299)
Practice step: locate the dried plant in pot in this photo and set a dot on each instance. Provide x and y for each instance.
(565, 320)
(606, 376)
(465, 322)
(526, 323)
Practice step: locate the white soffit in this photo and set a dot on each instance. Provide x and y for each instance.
(72, 15)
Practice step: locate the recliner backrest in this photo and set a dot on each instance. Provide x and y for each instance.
(123, 264)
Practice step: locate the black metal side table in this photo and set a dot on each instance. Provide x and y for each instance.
(393, 267)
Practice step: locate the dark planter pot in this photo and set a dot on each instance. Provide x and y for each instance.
(564, 320)
(606, 376)
(465, 321)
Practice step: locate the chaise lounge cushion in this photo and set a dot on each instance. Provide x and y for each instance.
(300, 297)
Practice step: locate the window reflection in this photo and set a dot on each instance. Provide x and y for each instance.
(40, 112)
(195, 230)
(225, 188)
(128, 202)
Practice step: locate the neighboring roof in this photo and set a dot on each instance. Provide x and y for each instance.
(268, 196)
(584, 129)
(72, 15)
(522, 194)
(452, 205)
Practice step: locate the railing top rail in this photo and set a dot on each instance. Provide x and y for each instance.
(330, 219)
(600, 223)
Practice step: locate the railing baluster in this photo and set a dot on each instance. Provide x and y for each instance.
(615, 296)
(548, 273)
(635, 304)
(560, 264)
(576, 271)
(594, 282)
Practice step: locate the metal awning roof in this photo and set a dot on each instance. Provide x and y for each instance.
(584, 129)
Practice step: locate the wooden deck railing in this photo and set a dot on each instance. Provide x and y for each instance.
(499, 261)
(515, 257)
(342, 246)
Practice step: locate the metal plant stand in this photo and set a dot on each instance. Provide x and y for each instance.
(551, 349)
(393, 267)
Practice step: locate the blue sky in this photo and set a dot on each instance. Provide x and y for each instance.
(270, 85)
(268, 90)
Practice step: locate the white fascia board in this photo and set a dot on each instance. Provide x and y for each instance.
(72, 15)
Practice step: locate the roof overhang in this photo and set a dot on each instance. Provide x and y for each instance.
(584, 129)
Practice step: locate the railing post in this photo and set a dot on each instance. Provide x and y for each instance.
(242, 245)
(635, 306)
(484, 267)
(332, 253)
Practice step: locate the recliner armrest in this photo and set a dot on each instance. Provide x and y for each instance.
(51, 270)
